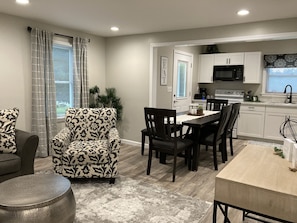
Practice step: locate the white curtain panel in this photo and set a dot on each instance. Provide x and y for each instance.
(43, 90)
(81, 85)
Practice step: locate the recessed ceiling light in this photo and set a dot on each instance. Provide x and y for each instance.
(243, 12)
(23, 2)
(114, 28)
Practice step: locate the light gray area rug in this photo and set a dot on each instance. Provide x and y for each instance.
(132, 201)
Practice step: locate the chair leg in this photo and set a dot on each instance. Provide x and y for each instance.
(231, 144)
(223, 151)
(174, 168)
(142, 142)
(149, 162)
(215, 161)
(111, 180)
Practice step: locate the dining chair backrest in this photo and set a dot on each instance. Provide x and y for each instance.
(215, 104)
(161, 124)
(233, 116)
(224, 118)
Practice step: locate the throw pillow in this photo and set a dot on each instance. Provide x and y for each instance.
(8, 119)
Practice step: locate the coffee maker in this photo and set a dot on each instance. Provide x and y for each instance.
(202, 94)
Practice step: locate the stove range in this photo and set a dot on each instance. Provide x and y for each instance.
(232, 96)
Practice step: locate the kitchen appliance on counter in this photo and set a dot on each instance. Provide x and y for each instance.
(233, 96)
(228, 73)
(202, 94)
(248, 96)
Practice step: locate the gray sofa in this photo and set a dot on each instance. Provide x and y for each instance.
(22, 162)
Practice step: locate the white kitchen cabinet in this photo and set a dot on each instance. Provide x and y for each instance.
(205, 68)
(251, 121)
(253, 67)
(229, 59)
(274, 117)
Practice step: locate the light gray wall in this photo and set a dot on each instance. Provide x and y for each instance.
(15, 63)
(120, 62)
(128, 63)
(164, 98)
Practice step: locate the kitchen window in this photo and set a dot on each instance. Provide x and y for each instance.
(281, 69)
(63, 70)
(278, 78)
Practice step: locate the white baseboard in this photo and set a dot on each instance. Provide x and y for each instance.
(133, 143)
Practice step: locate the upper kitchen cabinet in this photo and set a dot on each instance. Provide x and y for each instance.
(229, 59)
(253, 67)
(205, 68)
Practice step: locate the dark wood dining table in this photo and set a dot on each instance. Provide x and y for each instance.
(196, 123)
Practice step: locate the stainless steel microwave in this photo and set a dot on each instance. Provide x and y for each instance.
(228, 73)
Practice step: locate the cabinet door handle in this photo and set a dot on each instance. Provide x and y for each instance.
(251, 108)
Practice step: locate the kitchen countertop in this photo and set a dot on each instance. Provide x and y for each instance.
(259, 103)
(271, 104)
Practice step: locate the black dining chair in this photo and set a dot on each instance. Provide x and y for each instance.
(231, 122)
(215, 135)
(215, 104)
(163, 137)
(144, 133)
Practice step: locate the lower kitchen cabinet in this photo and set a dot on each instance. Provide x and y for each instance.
(251, 121)
(274, 118)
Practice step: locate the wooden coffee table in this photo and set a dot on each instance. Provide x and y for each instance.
(259, 182)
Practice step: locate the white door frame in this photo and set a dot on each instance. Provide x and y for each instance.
(182, 105)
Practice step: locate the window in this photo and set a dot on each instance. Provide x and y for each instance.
(63, 70)
(281, 69)
(278, 78)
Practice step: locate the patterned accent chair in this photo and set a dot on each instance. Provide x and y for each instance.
(89, 145)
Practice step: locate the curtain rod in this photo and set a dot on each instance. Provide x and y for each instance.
(29, 28)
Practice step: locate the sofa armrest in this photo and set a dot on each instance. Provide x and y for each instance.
(26, 144)
(114, 141)
(61, 142)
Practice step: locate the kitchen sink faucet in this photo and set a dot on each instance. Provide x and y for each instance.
(290, 95)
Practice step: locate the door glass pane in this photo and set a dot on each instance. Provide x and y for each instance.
(181, 88)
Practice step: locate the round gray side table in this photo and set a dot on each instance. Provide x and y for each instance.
(38, 198)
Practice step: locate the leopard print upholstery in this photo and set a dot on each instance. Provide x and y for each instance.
(89, 145)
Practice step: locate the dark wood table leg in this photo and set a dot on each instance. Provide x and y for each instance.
(196, 149)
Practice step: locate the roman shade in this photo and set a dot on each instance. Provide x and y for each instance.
(280, 60)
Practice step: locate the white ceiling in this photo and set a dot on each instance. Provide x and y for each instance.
(146, 16)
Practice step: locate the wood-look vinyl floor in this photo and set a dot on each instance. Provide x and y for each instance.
(198, 184)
